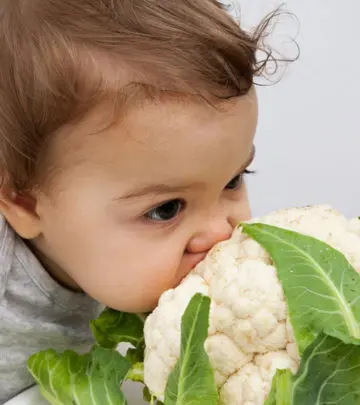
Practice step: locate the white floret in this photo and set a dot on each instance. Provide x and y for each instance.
(252, 383)
(250, 335)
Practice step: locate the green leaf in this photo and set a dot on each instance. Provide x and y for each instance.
(147, 397)
(72, 379)
(136, 373)
(281, 389)
(114, 327)
(192, 380)
(321, 287)
(136, 355)
(329, 374)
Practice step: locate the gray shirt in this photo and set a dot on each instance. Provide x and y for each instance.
(36, 313)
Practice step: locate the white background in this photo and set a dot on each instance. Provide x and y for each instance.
(308, 139)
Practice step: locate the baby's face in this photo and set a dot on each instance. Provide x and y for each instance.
(138, 205)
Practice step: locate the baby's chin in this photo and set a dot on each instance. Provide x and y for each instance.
(139, 304)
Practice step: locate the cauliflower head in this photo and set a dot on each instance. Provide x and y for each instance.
(250, 336)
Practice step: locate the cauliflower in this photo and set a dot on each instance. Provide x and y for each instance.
(250, 335)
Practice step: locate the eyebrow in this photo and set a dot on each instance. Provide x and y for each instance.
(157, 189)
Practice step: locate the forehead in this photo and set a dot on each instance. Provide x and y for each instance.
(173, 138)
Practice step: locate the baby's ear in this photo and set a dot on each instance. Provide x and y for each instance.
(20, 212)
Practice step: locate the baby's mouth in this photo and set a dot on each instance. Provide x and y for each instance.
(191, 260)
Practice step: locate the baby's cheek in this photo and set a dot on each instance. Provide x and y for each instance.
(162, 275)
(139, 287)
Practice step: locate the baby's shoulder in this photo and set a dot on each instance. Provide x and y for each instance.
(7, 244)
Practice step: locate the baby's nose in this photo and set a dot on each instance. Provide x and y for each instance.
(205, 239)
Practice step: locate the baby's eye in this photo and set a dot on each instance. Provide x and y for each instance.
(166, 211)
(237, 181)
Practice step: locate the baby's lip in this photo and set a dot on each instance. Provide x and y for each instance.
(199, 258)
(193, 259)
(190, 261)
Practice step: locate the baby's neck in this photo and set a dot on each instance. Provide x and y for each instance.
(53, 269)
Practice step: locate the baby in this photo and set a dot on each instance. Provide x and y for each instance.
(126, 130)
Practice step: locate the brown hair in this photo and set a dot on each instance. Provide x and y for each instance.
(55, 53)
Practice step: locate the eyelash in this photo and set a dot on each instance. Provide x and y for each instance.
(239, 178)
(178, 205)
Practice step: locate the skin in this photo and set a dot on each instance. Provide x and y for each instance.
(103, 227)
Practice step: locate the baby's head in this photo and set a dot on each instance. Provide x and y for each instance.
(126, 128)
